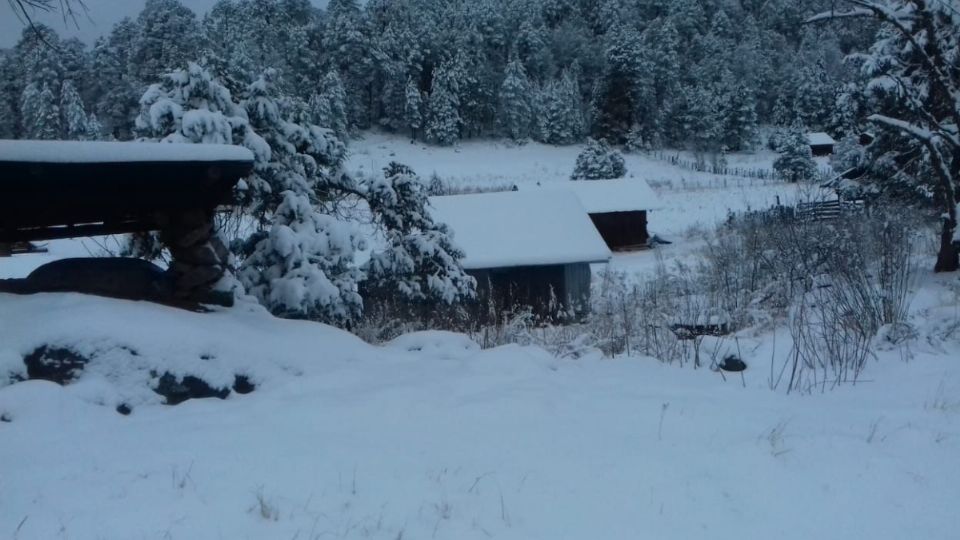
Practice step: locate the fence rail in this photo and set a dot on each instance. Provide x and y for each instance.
(719, 169)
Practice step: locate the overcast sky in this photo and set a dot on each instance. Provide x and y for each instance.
(101, 16)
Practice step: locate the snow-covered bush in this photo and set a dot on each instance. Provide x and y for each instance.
(795, 163)
(302, 267)
(598, 161)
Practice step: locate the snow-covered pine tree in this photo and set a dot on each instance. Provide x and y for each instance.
(299, 263)
(795, 163)
(618, 102)
(41, 113)
(9, 98)
(347, 35)
(914, 97)
(168, 37)
(329, 108)
(443, 117)
(739, 117)
(7, 119)
(115, 94)
(302, 266)
(598, 161)
(533, 50)
(191, 106)
(94, 129)
(413, 108)
(516, 114)
(29, 109)
(419, 260)
(560, 117)
(74, 120)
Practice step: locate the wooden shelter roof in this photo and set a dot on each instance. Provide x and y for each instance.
(59, 189)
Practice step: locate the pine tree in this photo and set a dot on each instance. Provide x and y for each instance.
(169, 37)
(302, 266)
(94, 129)
(41, 113)
(115, 93)
(347, 35)
(795, 163)
(738, 116)
(622, 92)
(30, 110)
(443, 118)
(516, 114)
(413, 108)
(7, 119)
(419, 260)
(74, 119)
(328, 107)
(560, 116)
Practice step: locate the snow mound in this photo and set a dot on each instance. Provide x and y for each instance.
(436, 344)
(130, 350)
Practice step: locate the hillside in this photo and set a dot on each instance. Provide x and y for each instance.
(429, 437)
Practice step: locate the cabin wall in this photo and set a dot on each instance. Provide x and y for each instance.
(820, 150)
(544, 288)
(622, 231)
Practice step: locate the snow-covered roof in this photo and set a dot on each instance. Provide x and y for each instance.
(820, 138)
(604, 196)
(118, 152)
(498, 230)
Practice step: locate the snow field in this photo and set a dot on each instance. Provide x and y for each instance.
(430, 437)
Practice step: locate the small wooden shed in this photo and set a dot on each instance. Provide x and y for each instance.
(821, 144)
(618, 208)
(525, 249)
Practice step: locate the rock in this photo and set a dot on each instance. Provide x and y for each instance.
(188, 278)
(55, 364)
(124, 409)
(242, 385)
(176, 391)
(732, 364)
(116, 277)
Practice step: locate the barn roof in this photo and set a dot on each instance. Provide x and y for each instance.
(607, 196)
(510, 229)
(820, 138)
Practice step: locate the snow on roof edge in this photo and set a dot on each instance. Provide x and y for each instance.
(31, 151)
(606, 196)
(817, 138)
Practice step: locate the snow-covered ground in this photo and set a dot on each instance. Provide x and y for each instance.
(431, 437)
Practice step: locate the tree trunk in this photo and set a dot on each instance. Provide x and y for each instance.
(948, 260)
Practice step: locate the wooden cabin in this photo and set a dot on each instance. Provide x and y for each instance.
(617, 208)
(67, 189)
(821, 144)
(525, 248)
